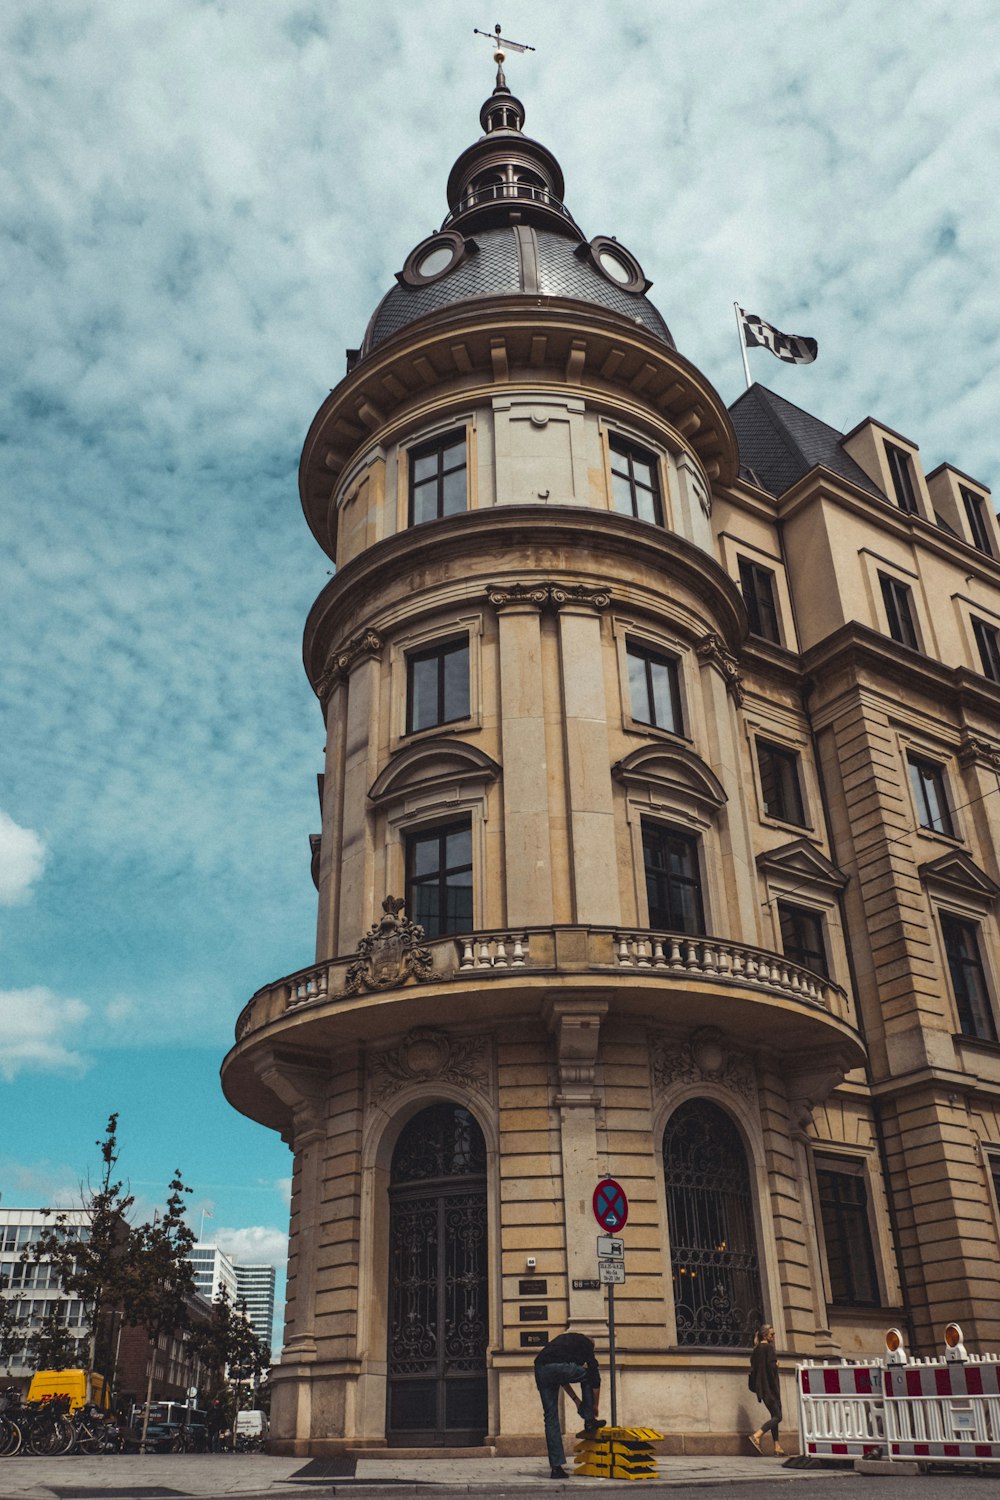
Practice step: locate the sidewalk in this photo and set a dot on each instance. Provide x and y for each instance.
(161, 1477)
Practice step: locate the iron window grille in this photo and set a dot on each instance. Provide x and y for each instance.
(898, 613)
(968, 978)
(850, 1255)
(927, 780)
(654, 689)
(779, 783)
(757, 584)
(988, 641)
(438, 480)
(635, 481)
(673, 882)
(976, 516)
(901, 473)
(439, 878)
(437, 685)
(802, 937)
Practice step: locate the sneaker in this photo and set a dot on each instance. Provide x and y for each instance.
(558, 1472)
(592, 1426)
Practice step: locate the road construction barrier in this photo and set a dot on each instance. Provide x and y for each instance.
(948, 1412)
(840, 1409)
(618, 1453)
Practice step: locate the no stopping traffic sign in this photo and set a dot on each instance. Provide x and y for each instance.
(610, 1204)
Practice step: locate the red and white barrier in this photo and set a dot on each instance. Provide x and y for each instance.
(840, 1409)
(944, 1411)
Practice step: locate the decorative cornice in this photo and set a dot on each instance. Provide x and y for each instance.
(547, 595)
(712, 649)
(976, 752)
(340, 662)
(704, 1058)
(427, 1054)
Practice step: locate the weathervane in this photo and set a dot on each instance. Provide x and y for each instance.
(500, 43)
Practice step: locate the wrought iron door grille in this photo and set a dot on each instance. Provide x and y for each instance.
(713, 1245)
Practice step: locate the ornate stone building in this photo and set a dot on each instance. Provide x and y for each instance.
(659, 840)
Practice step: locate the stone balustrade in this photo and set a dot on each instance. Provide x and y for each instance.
(671, 957)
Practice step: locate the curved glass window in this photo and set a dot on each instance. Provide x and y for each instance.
(714, 1264)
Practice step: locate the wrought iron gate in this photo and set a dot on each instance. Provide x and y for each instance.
(437, 1281)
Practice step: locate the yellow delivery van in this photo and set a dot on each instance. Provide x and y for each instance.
(83, 1387)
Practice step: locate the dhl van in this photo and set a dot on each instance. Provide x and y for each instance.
(83, 1387)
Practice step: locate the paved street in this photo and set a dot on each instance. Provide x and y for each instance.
(256, 1477)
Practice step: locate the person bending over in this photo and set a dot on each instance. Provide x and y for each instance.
(567, 1360)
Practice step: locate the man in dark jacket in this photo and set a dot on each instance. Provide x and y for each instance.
(567, 1360)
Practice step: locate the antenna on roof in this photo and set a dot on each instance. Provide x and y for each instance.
(501, 46)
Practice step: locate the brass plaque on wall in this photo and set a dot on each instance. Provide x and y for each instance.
(535, 1312)
(538, 1288)
(534, 1340)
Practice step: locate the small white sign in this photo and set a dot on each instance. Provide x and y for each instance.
(609, 1248)
(192, 1392)
(611, 1272)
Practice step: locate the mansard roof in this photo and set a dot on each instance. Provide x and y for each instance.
(779, 443)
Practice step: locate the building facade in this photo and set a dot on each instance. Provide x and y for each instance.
(660, 840)
(214, 1273)
(255, 1293)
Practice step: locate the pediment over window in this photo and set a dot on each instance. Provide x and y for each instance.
(957, 873)
(433, 763)
(805, 862)
(671, 771)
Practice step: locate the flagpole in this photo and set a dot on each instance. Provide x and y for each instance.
(743, 344)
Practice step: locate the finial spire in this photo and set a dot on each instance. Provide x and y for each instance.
(501, 45)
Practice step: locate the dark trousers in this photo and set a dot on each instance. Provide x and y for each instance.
(548, 1379)
(773, 1405)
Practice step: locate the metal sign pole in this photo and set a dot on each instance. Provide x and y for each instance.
(611, 1353)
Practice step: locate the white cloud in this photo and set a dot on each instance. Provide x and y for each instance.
(258, 1244)
(22, 860)
(36, 1027)
(39, 1185)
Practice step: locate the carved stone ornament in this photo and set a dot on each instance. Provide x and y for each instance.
(976, 752)
(390, 954)
(340, 662)
(712, 649)
(547, 595)
(425, 1054)
(704, 1058)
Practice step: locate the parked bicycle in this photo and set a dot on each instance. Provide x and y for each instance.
(96, 1431)
(38, 1427)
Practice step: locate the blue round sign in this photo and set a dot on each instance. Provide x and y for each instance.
(610, 1204)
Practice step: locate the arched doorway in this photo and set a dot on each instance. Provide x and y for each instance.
(437, 1281)
(713, 1244)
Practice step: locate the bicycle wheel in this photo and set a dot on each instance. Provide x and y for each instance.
(10, 1437)
(50, 1437)
(87, 1440)
(64, 1439)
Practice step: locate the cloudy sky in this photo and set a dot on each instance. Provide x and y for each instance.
(201, 202)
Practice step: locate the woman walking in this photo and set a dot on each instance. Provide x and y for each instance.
(766, 1386)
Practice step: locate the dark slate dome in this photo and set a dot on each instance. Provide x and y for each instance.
(507, 234)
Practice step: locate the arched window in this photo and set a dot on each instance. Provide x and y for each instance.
(713, 1246)
(438, 1280)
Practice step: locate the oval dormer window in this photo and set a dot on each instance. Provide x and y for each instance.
(434, 258)
(616, 264)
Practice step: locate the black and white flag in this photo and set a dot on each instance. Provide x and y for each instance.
(790, 347)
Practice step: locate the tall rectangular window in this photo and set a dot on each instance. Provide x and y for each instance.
(654, 690)
(901, 473)
(802, 937)
(929, 793)
(898, 611)
(437, 685)
(439, 878)
(850, 1257)
(976, 515)
(673, 883)
(968, 979)
(438, 478)
(757, 584)
(779, 782)
(635, 481)
(988, 641)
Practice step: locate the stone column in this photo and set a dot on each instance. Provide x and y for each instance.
(593, 852)
(359, 661)
(722, 692)
(528, 860)
(576, 1026)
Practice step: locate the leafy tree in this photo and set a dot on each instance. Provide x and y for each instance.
(88, 1258)
(158, 1282)
(11, 1331)
(52, 1346)
(227, 1342)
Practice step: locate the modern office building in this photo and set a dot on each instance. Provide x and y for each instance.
(35, 1288)
(660, 840)
(214, 1273)
(255, 1293)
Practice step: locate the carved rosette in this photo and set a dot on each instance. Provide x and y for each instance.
(704, 1058)
(977, 752)
(340, 661)
(391, 953)
(547, 595)
(712, 649)
(426, 1055)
